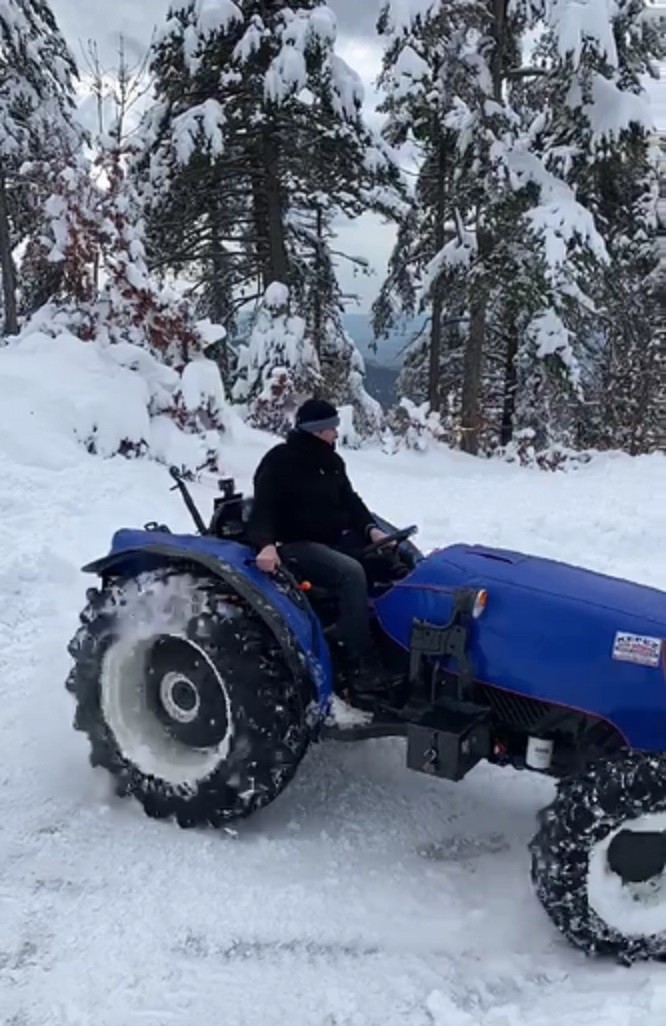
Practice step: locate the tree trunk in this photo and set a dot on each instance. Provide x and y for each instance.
(435, 356)
(318, 312)
(474, 350)
(220, 306)
(7, 263)
(499, 10)
(269, 214)
(510, 388)
(471, 392)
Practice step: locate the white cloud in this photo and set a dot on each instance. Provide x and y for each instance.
(370, 238)
(81, 20)
(105, 23)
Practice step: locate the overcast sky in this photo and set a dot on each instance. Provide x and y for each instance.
(135, 19)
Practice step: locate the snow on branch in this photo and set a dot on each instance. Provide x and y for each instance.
(578, 24)
(348, 92)
(212, 16)
(278, 368)
(609, 109)
(301, 32)
(205, 121)
(557, 217)
(551, 338)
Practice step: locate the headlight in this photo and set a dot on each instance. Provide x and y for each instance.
(470, 601)
(480, 603)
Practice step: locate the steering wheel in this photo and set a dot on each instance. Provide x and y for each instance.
(394, 538)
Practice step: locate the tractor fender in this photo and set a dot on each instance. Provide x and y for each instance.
(314, 657)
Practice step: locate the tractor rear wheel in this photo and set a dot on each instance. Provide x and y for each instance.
(186, 697)
(599, 857)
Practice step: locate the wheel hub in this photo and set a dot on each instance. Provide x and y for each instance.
(179, 698)
(184, 693)
(638, 857)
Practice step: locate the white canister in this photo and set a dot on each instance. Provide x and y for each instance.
(539, 753)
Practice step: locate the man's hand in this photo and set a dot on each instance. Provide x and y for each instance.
(377, 535)
(268, 560)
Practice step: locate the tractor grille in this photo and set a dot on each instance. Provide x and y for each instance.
(524, 714)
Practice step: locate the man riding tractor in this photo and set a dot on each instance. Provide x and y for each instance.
(307, 514)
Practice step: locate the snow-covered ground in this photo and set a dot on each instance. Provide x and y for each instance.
(367, 895)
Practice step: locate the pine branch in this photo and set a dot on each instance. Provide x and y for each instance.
(515, 74)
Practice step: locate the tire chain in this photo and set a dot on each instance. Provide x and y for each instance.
(284, 744)
(586, 809)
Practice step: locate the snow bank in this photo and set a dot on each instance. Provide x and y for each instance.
(113, 399)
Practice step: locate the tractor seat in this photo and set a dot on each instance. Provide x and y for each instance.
(230, 516)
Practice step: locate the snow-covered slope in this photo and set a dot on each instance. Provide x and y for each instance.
(366, 896)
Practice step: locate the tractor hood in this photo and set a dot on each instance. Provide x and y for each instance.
(550, 631)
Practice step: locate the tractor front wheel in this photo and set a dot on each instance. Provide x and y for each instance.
(599, 857)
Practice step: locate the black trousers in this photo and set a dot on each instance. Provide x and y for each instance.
(343, 574)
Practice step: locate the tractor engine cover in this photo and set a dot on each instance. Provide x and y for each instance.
(552, 632)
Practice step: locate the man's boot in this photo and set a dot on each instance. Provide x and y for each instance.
(363, 681)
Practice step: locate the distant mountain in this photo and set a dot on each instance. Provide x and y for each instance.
(390, 351)
(383, 366)
(380, 383)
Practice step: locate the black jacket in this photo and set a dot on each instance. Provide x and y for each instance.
(302, 493)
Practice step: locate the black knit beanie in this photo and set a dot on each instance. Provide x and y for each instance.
(317, 415)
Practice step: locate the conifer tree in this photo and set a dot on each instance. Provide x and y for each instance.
(619, 181)
(256, 145)
(527, 246)
(37, 77)
(594, 138)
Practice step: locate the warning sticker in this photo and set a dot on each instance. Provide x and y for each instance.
(637, 648)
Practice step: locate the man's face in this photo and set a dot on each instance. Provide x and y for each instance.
(330, 435)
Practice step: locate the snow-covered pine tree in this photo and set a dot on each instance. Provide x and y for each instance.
(37, 77)
(591, 138)
(340, 170)
(195, 205)
(658, 289)
(615, 174)
(624, 390)
(341, 366)
(524, 251)
(257, 128)
(418, 44)
(446, 72)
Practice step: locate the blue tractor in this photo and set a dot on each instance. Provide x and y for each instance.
(200, 683)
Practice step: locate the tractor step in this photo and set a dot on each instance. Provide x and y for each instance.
(364, 731)
(444, 740)
(449, 739)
